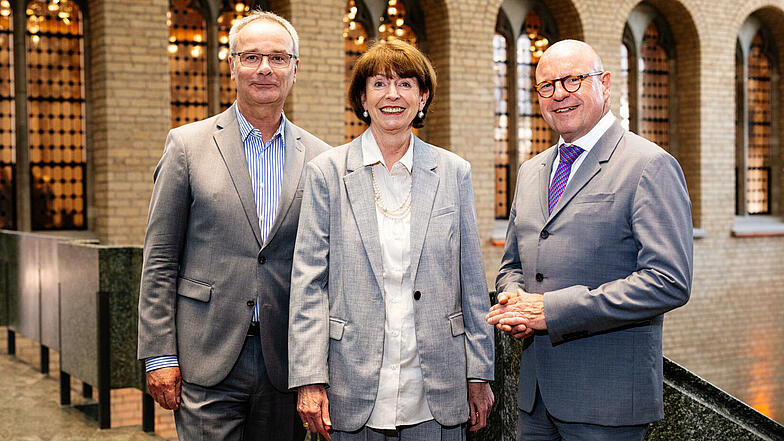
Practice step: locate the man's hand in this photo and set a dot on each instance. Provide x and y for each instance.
(164, 385)
(518, 314)
(313, 408)
(480, 401)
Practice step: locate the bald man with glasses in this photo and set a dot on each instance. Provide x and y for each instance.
(598, 248)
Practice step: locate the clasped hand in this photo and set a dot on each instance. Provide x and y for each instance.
(518, 314)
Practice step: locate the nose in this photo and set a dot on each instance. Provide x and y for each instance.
(560, 92)
(264, 67)
(392, 90)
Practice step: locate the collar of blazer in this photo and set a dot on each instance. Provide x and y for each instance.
(424, 183)
(229, 143)
(592, 164)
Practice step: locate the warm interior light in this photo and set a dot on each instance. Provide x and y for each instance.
(172, 48)
(224, 39)
(196, 51)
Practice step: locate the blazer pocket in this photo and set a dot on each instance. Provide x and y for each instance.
(456, 322)
(594, 198)
(193, 289)
(442, 211)
(336, 328)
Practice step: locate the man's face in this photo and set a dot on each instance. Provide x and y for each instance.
(263, 85)
(572, 114)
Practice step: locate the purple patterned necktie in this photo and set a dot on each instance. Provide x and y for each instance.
(569, 154)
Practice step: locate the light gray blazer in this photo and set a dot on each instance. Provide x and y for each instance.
(336, 332)
(204, 263)
(615, 255)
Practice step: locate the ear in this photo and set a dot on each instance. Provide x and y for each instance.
(423, 100)
(296, 68)
(232, 66)
(606, 85)
(364, 100)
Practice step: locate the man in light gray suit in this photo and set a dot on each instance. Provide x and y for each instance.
(214, 301)
(599, 246)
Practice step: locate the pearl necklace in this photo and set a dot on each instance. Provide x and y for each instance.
(394, 213)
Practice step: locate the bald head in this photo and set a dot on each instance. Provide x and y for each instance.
(578, 52)
(572, 114)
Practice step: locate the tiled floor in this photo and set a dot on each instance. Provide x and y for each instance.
(30, 410)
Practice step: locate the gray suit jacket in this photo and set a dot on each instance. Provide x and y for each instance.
(336, 332)
(615, 255)
(204, 263)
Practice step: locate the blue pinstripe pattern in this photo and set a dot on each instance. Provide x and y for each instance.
(265, 165)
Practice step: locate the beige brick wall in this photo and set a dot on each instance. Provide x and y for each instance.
(128, 87)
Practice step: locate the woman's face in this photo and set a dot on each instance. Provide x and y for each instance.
(392, 102)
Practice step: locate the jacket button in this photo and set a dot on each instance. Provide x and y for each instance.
(539, 277)
(544, 234)
(417, 295)
(251, 303)
(262, 259)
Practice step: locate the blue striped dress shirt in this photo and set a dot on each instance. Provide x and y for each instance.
(265, 165)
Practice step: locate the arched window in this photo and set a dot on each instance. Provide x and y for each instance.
(187, 62)
(655, 89)
(533, 133)
(7, 133)
(55, 104)
(647, 60)
(501, 136)
(520, 131)
(755, 76)
(623, 87)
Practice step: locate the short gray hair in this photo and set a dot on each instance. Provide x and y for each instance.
(262, 15)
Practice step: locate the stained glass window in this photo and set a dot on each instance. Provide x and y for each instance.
(655, 92)
(758, 95)
(7, 141)
(533, 133)
(56, 114)
(187, 63)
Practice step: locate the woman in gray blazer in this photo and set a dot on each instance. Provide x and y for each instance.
(387, 333)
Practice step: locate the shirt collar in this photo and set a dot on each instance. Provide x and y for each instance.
(371, 153)
(587, 141)
(247, 129)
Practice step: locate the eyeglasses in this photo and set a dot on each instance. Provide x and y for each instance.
(279, 60)
(570, 83)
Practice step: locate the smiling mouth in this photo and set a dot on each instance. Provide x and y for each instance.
(565, 109)
(392, 110)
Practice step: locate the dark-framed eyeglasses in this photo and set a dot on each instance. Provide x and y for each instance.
(279, 60)
(570, 83)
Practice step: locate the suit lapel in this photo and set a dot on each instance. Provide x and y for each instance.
(424, 181)
(359, 188)
(293, 163)
(548, 162)
(591, 166)
(229, 142)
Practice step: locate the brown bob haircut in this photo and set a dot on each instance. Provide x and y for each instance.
(392, 57)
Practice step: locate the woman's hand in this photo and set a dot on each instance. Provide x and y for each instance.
(480, 401)
(313, 408)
